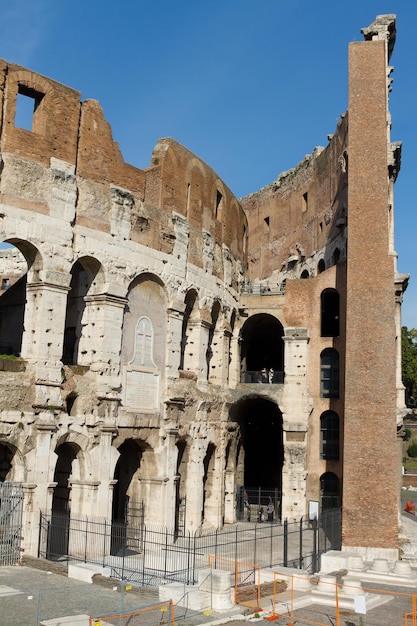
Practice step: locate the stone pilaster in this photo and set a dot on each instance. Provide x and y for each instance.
(296, 410)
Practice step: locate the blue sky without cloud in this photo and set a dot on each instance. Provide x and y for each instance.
(250, 86)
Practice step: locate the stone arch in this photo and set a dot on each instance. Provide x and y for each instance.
(12, 463)
(87, 279)
(22, 263)
(261, 347)
(136, 463)
(66, 455)
(321, 266)
(81, 469)
(28, 83)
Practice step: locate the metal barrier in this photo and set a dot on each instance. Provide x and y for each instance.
(11, 510)
(152, 554)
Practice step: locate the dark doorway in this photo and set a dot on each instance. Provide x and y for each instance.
(262, 347)
(260, 422)
(58, 536)
(6, 459)
(126, 467)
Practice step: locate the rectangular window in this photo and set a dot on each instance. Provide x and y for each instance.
(219, 207)
(28, 113)
(266, 229)
(305, 202)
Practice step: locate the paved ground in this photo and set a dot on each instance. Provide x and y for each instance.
(31, 597)
(41, 596)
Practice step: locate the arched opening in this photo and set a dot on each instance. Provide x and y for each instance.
(6, 462)
(61, 501)
(329, 491)
(321, 266)
(329, 436)
(262, 348)
(16, 258)
(58, 536)
(180, 479)
(191, 314)
(329, 373)
(305, 274)
(84, 278)
(135, 463)
(260, 465)
(208, 478)
(330, 314)
(214, 346)
(126, 467)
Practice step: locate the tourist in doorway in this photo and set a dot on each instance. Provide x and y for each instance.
(271, 376)
(270, 511)
(264, 375)
(261, 514)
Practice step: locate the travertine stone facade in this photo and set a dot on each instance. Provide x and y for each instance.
(177, 346)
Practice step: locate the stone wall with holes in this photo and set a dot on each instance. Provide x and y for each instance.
(129, 289)
(300, 218)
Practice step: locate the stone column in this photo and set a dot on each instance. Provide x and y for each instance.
(234, 365)
(102, 333)
(38, 493)
(174, 337)
(195, 472)
(104, 458)
(42, 341)
(296, 409)
(196, 349)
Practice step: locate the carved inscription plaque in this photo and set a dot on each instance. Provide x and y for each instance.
(141, 390)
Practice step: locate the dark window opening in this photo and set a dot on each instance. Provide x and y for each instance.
(329, 491)
(329, 373)
(329, 436)
(5, 284)
(305, 274)
(219, 206)
(28, 108)
(305, 202)
(330, 313)
(262, 350)
(321, 266)
(266, 228)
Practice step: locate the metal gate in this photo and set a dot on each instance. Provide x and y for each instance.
(11, 510)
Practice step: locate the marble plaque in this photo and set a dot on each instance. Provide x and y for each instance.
(141, 390)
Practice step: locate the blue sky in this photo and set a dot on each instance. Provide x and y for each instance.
(249, 86)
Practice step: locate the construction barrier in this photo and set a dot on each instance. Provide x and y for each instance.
(342, 599)
(155, 615)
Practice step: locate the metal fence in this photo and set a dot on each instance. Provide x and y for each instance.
(11, 510)
(153, 555)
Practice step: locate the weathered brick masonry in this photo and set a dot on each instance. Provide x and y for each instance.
(174, 346)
